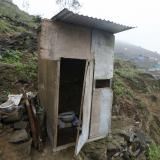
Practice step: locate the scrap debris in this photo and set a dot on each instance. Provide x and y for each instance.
(19, 112)
(127, 145)
(35, 130)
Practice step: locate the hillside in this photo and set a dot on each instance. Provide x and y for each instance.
(143, 58)
(9, 11)
(18, 45)
(17, 28)
(136, 107)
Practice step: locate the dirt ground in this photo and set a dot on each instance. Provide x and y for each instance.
(47, 154)
(10, 151)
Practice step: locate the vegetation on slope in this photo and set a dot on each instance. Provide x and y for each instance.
(18, 45)
(154, 152)
(13, 20)
(17, 71)
(137, 96)
(18, 30)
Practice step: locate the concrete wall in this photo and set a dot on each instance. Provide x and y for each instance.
(64, 40)
(101, 112)
(68, 41)
(103, 51)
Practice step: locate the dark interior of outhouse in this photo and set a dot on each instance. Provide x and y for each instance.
(70, 95)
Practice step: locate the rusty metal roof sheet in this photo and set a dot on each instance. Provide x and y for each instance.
(69, 17)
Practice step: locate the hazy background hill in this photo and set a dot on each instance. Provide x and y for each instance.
(143, 58)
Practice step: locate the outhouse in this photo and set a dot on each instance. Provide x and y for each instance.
(76, 56)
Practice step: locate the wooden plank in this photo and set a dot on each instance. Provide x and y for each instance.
(52, 91)
(42, 81)
(48, 84)
(101, 112)
(95, 114)
(87, 100)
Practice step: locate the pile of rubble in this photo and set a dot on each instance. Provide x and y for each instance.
(127, 145)
(19, 114)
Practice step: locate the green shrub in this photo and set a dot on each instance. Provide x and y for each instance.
(37, 19)
(8, 28)
(27, 70)
(12, 11)
(12, 57)
(140, 104)
(154, 152)
(121, 89)
(5, 27)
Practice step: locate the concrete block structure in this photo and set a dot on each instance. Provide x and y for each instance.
(76, 56)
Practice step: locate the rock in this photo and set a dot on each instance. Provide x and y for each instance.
(24, 148)
(20, 125)
(142, 138)
(12, 117)
(3, 98)
(115, 144)
(81, 156)
(19, 136)
(127, 144)
(95, 150)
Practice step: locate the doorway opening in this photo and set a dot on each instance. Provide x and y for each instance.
(72, 73)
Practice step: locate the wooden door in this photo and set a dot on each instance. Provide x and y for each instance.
(83, 131)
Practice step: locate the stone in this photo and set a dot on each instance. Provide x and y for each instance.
(24, 148)
(20, 125)
(115, 143)
(19, 136)
(127, 144)
(12, 117)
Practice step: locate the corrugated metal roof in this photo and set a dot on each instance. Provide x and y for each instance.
(69, 17)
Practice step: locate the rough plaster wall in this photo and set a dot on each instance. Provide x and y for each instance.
(103, 50)
(48, 85)
(64, 40)
(101, 112)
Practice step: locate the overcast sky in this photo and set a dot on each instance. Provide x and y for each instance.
(145, 14)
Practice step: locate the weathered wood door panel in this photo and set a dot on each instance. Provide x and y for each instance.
(101, 112)
(86, 107)
(49, 71)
